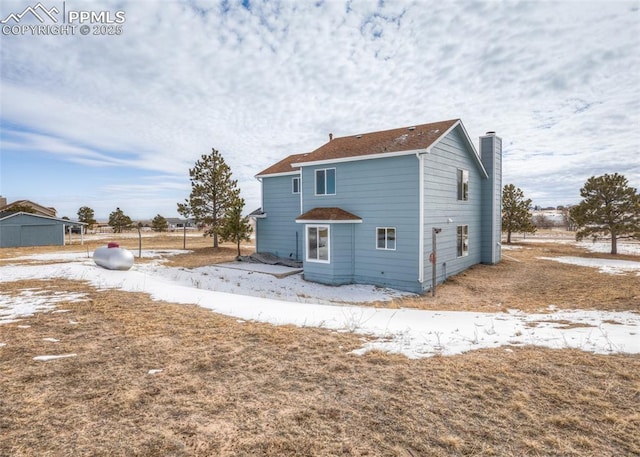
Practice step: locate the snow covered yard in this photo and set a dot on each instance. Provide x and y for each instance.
(263, 297)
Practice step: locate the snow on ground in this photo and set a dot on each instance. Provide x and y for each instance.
(69, 256)
(265, 284)
(415, 333)
(626, 248)
(46, 358)
(605, 247)
(609, 266)
(30, 301)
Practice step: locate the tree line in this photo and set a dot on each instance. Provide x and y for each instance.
(214, 203)
(119, 221)
(610, 208)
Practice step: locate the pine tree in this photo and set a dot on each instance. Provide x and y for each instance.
(159, 224)
(235, 227)
(516, 216)
(119, 221)
(86, 215)
(610, 208)
(213, 192)
(19, 209)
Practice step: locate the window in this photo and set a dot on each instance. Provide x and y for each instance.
(326, 181)
(295, 186)
(318, 243)
(463, 185)
(463, 240)
(386, 238)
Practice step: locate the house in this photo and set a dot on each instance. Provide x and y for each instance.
(386, 207)
(35, 208)
(26, 229)
(175, 223)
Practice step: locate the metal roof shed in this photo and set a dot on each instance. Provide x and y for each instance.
(25, 229)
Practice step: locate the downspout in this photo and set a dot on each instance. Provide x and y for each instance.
(261, 193)
(301, 212)
(420, 156)
(300, 189)
(261, 207)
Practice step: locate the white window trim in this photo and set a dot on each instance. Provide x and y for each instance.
(293, 180)
(385, 238)
(306, 240)
(315, 181)
(464, 253)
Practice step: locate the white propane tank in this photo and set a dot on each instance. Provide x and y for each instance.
(113, 257)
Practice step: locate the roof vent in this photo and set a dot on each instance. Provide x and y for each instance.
(358, 136)
(491, 132)
(412, 128)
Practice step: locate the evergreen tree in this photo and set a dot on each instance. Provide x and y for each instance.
(86, 215)
(236, 228)
(159, 224)
(119, 221)
(213, 192)
(516, 216)
(19, 209)
(610, 208)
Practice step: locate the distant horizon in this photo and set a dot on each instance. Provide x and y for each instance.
(105, 219)
(113, 113)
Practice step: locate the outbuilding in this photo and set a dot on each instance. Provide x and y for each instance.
(25, 229)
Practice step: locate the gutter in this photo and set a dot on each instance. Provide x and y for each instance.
(420, 157)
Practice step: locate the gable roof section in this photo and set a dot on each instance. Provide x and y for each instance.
(283, 167)
(375, 144)
(39, 209)
(39, 216)
(328, 215)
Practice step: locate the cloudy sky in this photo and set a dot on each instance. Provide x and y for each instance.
(117, 121)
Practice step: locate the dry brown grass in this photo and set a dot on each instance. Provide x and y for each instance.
(201, 248)
(523, 281)
(240, 388)
(232, 388)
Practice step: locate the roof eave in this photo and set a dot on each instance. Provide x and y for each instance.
(469, 143)
(44, 217)
(328, 221)
(274, 175)
(381, 155)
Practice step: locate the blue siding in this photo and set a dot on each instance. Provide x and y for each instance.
(340, 270)
(491, 151)
(31, 230)
(444, 210)
(384, 193)
(278, 232)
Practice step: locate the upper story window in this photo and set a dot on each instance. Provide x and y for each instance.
(295, 185)
(386, 238)
(326, 181)
(463, 185)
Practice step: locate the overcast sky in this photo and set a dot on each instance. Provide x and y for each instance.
(117, 121)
